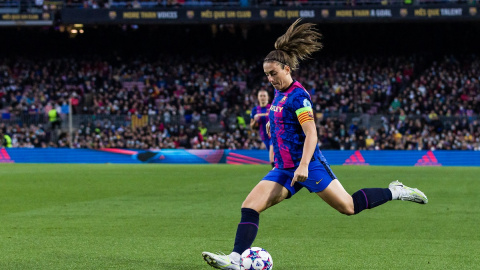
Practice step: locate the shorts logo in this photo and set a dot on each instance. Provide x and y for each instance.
(318, 182)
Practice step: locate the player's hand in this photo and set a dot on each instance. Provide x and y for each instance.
(256, 117)
(300, 175)
(268, 129)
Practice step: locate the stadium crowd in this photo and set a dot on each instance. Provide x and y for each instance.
(205, 102)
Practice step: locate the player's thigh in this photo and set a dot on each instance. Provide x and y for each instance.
(337, 197)
(264, 195)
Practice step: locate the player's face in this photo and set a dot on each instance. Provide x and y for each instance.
(279, 77)
(263, 98)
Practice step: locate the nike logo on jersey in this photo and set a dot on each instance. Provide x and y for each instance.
(319, 181)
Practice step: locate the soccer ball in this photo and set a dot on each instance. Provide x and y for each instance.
(256, 258)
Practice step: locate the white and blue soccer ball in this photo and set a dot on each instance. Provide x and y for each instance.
(256, 258)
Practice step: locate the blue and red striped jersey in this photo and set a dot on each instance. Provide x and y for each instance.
(289, 110)
(262, 130)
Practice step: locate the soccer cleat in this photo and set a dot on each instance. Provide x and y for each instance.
(220, 261)
(408, 193)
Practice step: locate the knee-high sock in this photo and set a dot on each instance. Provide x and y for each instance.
(368, 198)
(247, 230)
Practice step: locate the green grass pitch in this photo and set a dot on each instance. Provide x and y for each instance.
(163, 216)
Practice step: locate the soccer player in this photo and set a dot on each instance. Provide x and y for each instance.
(298, 160)
(259, 119)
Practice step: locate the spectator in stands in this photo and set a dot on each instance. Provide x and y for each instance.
(5, 139)
(177, 92)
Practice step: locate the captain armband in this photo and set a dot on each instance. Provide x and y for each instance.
(304, 114)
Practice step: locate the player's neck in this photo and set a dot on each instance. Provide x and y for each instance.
(288, 87)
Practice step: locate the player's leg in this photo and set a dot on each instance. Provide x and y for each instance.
(368, 198)
(323, 181)
(264, 195)
(337, 197)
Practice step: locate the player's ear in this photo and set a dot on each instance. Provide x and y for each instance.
(287, 69)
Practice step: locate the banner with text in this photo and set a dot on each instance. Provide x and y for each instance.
(234, 157)
(27, 19)
(270, 14)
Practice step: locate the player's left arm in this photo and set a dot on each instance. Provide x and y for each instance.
(258, 115)
(306, 120)
(310, 130)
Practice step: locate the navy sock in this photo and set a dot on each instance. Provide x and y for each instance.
(247, 230)
(368, 198)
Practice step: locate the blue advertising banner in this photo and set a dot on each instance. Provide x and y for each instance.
(236, 157)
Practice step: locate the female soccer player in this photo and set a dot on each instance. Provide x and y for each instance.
(259, 120)
(298, 160)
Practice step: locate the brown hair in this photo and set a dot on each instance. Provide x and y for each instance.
(298, 43)
(264, 90)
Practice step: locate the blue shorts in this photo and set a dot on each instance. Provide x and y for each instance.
(319, 177)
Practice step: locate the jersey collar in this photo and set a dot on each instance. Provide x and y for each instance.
(292, 86)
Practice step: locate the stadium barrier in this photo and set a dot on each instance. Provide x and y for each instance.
(238, 157)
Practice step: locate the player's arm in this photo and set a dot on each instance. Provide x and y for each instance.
(253, 124)
(305, 117)
(262, 114)
(301, 174)
(253, 120)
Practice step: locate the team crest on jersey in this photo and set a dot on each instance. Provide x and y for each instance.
(306, 103)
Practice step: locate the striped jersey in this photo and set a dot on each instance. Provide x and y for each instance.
(262, 122)
(289, 110)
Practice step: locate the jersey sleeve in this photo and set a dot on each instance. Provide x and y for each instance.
(302, 104)
(254, 111)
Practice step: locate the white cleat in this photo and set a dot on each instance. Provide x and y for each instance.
(220, 261)
(407, 193)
